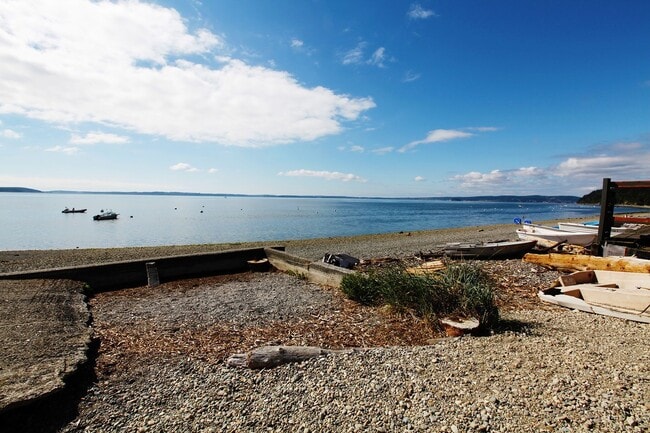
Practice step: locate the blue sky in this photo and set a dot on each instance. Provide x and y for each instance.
(324, 97)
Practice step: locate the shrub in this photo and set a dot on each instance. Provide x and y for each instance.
(460, 289)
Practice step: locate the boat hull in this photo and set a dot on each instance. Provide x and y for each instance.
(489, 250)
(582, 228)
(538, 232)
(105, 216)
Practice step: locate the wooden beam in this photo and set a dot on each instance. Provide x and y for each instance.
(607, 202)
(631, 184)
(581, 262)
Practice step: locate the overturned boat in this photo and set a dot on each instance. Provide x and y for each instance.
(625, 295)
(489, 250)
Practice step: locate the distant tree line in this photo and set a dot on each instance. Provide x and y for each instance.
(16, 189)
(630, 197)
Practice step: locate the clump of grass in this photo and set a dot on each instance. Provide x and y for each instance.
(461, 289)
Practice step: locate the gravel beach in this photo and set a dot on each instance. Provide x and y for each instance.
(160, 365)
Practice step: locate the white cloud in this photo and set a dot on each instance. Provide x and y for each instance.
(623, 166)
(419, 179)
(328, 175)
(296, 43)
(213, 170)
(182, 166)
(475, 178)
(378, 57)
(574, 175)
(483, 128)
(143, 81)
(70, 150)
(436, 136)
(383, 150)
(529, 172)
(98, 137)
(358, 149)
(417, 12)
(355, 55)
(9, 133)
(410, 76)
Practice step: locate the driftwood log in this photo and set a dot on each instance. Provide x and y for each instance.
(455, 327)
(272, 356)
(584, 262)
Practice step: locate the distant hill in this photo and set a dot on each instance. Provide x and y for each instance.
(630, 197)
(489, 198)
(17, 189)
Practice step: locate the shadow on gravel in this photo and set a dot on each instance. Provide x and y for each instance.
(515, 326)
(51, 413)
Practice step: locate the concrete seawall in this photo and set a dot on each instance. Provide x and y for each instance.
(119, 275)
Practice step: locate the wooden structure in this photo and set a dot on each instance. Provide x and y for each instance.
(607, 203)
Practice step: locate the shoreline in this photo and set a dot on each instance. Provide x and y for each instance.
(397, 245)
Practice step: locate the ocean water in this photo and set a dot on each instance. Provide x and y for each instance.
(35, 221)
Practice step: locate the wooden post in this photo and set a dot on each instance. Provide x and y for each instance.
(607, 202)
(152, 274)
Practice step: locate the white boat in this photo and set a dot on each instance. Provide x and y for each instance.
(105, 215)
(489, 250)
(591, 228)
(551, 234)
(625, 295)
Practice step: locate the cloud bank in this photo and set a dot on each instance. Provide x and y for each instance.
(134, 65)
(327, 175)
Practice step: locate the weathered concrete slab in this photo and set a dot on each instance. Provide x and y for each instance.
(133, 273)
(316, 272)
(44, 335)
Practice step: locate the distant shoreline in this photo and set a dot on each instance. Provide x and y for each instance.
(488, 198)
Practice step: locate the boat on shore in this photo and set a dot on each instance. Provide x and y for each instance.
(105, 215)
(551, 234)
(488, 250)
(73, 210)
(625, 295)
(593, 228)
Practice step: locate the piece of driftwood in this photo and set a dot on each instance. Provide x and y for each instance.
(427, 267)
(583, 262)
(273, 356)
(455, 327)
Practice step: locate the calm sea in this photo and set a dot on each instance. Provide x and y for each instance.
(35, 221)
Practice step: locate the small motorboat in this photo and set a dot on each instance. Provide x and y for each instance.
(73, 210)
(489, 250)
(105, 215)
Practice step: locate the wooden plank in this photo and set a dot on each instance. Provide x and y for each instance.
(627, 184)
(580, 262)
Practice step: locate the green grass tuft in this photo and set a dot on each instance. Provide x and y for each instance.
(461, 289)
